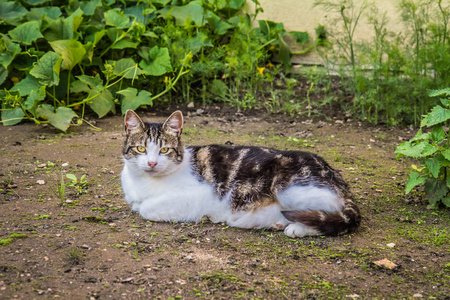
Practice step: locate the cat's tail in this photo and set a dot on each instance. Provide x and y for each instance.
(328, 223)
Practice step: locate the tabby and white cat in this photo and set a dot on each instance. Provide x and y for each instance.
(247, 187)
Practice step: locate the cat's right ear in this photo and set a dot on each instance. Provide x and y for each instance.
(132, 121)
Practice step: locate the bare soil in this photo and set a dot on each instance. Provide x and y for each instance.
(91, 246)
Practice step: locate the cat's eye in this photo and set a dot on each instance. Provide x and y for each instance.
(164, 150)
(141, 149)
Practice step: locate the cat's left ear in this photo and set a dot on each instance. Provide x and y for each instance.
(174, 124)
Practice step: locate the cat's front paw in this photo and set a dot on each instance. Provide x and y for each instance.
(299, 230)
(136, 206)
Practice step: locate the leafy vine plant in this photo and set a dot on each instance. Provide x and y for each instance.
(59, 59)
(432, 149)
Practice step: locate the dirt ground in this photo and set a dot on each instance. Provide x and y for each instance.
(91, 246)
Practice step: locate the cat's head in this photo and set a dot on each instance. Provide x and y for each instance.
(154, 148)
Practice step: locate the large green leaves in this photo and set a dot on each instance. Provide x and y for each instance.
(416, 150)
(47, 69)
(8, 50)
(414, 179)
(301, 37)
(11, 12)
(157, 62)
(132, 99)
(127, 68)
(99, 99)
(11, 115)
(184, 15)
(103, 103)
(26, 33)
(60, 118)
(437, 115)
(112, 18)
(27, 85)
(71, 51)
(65, 28)
(435, 190)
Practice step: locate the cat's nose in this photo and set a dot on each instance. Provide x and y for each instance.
(152, 164)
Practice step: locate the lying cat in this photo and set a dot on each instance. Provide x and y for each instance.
(247, 187)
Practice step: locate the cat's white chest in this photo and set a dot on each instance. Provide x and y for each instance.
(179, 196)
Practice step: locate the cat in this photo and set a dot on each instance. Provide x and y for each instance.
(242, 186)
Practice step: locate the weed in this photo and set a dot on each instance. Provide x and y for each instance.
(74, 256)
(60, 190)
(80, 185)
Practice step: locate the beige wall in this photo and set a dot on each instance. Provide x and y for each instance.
(301, 15)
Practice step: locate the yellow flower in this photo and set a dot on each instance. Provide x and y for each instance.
(270, 65)
(261, 70)
(166, 79)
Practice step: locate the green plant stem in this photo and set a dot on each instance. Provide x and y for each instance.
(54, 98)
(68, 87)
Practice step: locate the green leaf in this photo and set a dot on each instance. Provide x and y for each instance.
(302, 37)
(420, 136)
(439, 93)
(36, 13)
(11, 12)
(93, 82)
(435, 163)
(96, 37)
(218, 88)
(437, 115)
(159, 62)
(36, 2)
(435, 190)
(219, 26)
(35, 97)
(103, 103)
(47, 69)
(27, 85)
(196, 43)
(132, 100)
(125, 43)
(71, 177)
(88, 7)
(284, 55)
(71, 51)
(438, 134)
(446, 201)
(26, 33)
(79, 87)
(112, 18)
(421, 149)
(60, 118)
(446, 153)
(414, 179)
(127, 68)
(3, 74)
(11, 116)
(8, 50)
(192, 12)
(65, 29)
(140, 12)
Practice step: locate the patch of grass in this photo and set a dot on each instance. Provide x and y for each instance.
(5, 241)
